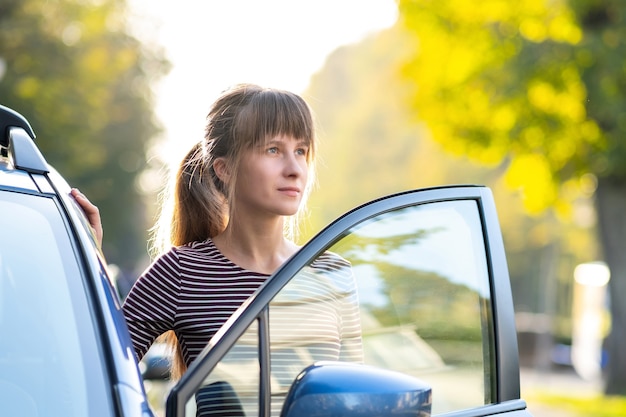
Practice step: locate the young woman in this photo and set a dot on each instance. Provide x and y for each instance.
(236, 197)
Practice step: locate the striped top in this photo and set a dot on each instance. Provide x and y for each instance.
(193, 289)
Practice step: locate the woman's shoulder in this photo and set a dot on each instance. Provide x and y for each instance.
(205, 249)
(196, 245)
(330, 261)
(198, 249)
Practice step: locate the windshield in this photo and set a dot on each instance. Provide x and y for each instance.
(49, 358)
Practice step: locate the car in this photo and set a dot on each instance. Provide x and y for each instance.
(64, 348)
(435, 303)
(435, 314)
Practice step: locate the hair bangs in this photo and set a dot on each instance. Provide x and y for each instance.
(272, 113)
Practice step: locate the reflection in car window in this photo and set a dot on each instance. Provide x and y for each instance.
(424, 295)
(47, 342)
(315, 317)
(233, 388)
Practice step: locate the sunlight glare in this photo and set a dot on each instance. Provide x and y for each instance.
(214, 44)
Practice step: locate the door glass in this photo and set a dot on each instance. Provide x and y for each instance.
(315, 317)
(407, 290)
(232, 388)
(49, 354)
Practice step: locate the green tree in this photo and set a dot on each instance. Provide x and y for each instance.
(541, 85)
(370, 147)
(83, 81)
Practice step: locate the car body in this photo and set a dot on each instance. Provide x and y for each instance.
(64, 347)
(435, 316)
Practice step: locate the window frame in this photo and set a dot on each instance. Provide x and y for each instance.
(90, 334)
(505, 384)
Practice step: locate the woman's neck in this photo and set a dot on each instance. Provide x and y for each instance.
(259, 249)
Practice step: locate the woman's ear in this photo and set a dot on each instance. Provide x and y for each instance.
(221, 169)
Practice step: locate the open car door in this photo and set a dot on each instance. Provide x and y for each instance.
(400, 307)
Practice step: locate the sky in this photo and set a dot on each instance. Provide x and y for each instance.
(213, 44)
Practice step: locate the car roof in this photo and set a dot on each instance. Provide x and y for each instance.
(14, 178)
(19, 155)
(10, 118)
(17, 142)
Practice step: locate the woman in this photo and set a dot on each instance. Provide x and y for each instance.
(234, 205)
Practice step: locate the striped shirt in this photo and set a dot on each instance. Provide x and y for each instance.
(193, 289)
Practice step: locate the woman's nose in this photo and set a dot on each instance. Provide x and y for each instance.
(293, 165)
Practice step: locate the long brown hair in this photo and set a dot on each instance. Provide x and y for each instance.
(198, 206)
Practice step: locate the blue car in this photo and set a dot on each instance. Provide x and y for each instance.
(432, 299)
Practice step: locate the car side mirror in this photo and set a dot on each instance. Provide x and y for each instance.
(344, 389)
(156, 363)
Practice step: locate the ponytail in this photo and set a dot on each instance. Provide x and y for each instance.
(197, 210)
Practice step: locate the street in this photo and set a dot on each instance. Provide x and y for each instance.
(557, 382)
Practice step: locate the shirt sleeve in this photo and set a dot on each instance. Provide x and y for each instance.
(151, 305)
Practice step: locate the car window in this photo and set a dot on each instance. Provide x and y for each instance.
(424, 298)
(49, 356)
(407, 290)
(233, 388)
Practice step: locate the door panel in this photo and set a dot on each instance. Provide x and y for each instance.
(406, 290)
(415, 282)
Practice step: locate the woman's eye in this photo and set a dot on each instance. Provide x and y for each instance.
(302, 151)
(272, 150)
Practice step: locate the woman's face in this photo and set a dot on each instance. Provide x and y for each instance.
(272, 177)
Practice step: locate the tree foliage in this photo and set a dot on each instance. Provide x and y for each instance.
(370, 146)
(500, 82)
(538, 85)
(83, 81)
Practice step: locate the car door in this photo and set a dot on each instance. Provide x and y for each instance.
(414, 283)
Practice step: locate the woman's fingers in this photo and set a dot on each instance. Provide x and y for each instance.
(91, 211)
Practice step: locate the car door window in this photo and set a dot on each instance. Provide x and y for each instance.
(406, 290)
(233, 387)
(414, 284)
(424, 298)
(49, 359)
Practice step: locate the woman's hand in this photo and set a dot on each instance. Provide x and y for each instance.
(92, 212)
